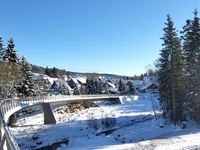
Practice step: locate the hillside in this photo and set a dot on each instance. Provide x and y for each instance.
(40, 69)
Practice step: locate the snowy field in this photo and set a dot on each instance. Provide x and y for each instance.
(130, 125)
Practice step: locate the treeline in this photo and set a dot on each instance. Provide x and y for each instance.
(179, 71)
(15, 74)
(51, 72)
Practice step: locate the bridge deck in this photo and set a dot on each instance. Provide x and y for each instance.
(10, 106)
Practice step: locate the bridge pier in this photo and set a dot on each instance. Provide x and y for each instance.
(48, 114)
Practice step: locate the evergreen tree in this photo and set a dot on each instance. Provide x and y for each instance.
(131, 88)
(54, 73)
(47, 71)
(82, 90)
(60, 86)
(1, 49)
(99, 87)
(171, 74)
(26, 87)
(54, 86)
(121, 87)
(178, 82)
(76, 91)
(10, 53)
(89, 87)
(93, 86)
(191, 47)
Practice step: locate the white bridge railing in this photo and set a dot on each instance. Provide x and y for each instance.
(10, 106)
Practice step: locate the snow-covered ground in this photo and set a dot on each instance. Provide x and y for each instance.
(121, 126)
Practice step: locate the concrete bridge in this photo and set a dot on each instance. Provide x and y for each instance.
(10, 106)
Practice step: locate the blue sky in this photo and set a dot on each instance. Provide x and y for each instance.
(106, 36)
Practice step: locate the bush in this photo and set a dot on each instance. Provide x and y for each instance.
(108, 123)
(104, 123)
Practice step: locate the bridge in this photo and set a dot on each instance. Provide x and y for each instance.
(10, 106)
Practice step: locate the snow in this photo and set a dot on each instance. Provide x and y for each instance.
(111, 85)
(82, 79)
(137, 83)
(135, 126)
(37, 76)
(148, 81)
(175, 141)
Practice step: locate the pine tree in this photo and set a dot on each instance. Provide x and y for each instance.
(131, 88)
(171, 74)
(99, 87)
(54, 86)
(93, 86)
(89, 87)
(47, 71)
(188, 53)
(121, 87)
(26, 86)
(191, 47)
(1, 49)
(10, 53)
(54, 73)
(178, 81)
(76, 90)
(82, 90)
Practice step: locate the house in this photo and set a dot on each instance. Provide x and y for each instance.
(43, 83)
(137, 83)
(149, 88)
(111, 87)
(102, 79)
(61, 87)
(72, 83)
(149, 85)
(81, 81)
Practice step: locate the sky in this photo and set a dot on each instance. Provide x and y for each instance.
(104, 36)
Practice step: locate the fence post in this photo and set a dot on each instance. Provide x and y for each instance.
(2, 141)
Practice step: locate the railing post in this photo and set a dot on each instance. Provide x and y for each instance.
(1, 135)
(2, 142)
(8, 146)
(6, 107)
(12, 104)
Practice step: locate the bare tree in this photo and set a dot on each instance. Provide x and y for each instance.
(10, 75)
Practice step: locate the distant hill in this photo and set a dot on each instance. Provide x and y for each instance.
(61, 72)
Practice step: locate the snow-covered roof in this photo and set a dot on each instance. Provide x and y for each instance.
(51, 80)
(38, 76)
(64, 83)
(103, 79)
(82, 80)
(145, 86)
(150, 79)
(137, 83)
(74, 80)
(65, 78)
(111, 84)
